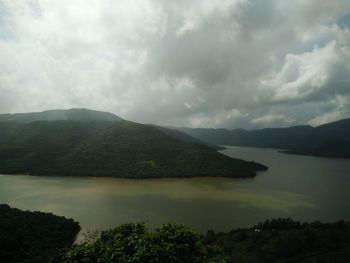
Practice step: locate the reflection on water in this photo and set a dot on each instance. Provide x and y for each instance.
(304, 188)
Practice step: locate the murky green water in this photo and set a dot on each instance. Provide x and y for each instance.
(305, 188)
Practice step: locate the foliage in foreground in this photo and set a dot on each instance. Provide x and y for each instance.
(39, 237)
(278, 240)
(33, 236)
(285, 240)
(135, 243)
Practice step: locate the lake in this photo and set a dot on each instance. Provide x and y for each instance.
(302, 187)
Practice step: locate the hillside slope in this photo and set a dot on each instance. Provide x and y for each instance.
(102, 148)
(332, 139)
(33, 237)
(187, 138)
(86, 115)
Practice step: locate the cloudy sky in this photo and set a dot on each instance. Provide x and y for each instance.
(200, 63)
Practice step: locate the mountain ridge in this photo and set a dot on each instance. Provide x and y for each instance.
(80, 114)
(328, 140)
(109, 148)
(87, 115)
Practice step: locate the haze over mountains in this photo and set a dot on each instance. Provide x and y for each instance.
(81, 142)
(329, 140)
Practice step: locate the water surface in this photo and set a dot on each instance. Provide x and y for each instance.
(302, 187)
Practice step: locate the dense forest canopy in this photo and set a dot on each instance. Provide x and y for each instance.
(33, 237)
(109, 148)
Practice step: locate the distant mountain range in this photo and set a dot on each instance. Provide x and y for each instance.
(81, 142)
(328, 140)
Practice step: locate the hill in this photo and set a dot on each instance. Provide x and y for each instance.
(109, 148)
(329, 140)
(55, 115)
(187, 138)
(33, 237)
(86, 115)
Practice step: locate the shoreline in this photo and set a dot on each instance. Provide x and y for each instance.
(132, 179)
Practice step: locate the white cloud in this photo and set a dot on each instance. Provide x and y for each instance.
(229, 63)
(304, 74)
(340, 108)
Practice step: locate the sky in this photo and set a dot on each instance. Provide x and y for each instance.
(200, 63)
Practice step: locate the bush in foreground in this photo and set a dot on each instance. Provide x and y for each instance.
(277, 240)
(131, 243)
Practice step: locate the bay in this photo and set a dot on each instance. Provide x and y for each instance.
(302, 187)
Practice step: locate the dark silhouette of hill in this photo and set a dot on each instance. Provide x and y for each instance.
(33, 237)
(329, 140)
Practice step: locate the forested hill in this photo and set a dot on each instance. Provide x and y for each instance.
(109, 148)
(54, 115)
(86, 115)
(33, 237)
(332, 139)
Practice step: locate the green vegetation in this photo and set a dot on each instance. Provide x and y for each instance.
(33, 237)
(279, 240)
(329, 140)
(284, 240)
(38, 237)
(109, 148)
(135, 243)
(86, 115)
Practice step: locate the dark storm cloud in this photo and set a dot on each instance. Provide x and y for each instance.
(239, 63)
